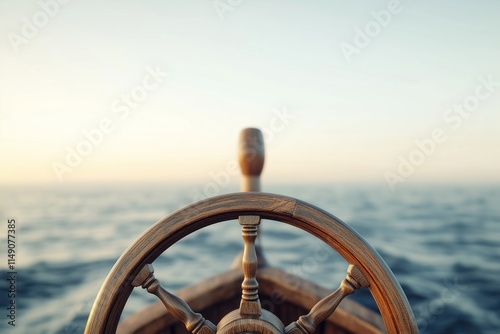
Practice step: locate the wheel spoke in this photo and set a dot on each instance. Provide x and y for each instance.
(385, 289)
(194, 322)
(306, 324)
(250, 303)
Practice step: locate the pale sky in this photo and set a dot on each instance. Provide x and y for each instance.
(164, 87)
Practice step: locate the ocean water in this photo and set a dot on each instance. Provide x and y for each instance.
(442, 243)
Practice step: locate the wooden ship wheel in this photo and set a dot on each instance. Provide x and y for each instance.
(366, 268)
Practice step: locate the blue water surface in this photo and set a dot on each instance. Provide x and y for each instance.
(442, 243)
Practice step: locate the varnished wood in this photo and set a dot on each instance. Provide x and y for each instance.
(384, 288)
(202, 296)
(250, 317)
(250, 303)
(194, 322)
(251, 158)
(307, 324)
(302, 295)
(266, 323)
(286, 295)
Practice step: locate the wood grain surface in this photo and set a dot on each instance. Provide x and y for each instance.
(386, 291)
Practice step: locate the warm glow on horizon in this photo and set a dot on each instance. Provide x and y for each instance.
(133, 91)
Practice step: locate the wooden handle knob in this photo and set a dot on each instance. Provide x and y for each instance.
(251, 158)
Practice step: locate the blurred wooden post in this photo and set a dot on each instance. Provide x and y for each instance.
(251, 158)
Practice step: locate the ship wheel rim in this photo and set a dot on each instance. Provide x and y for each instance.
(385, 289)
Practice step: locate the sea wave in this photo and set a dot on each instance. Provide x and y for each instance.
(441, 242)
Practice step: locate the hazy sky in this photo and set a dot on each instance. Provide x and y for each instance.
(159, 90)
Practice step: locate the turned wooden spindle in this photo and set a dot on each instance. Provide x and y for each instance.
(306, 324)
(251, 158)
(250, 303)
(194, 322)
